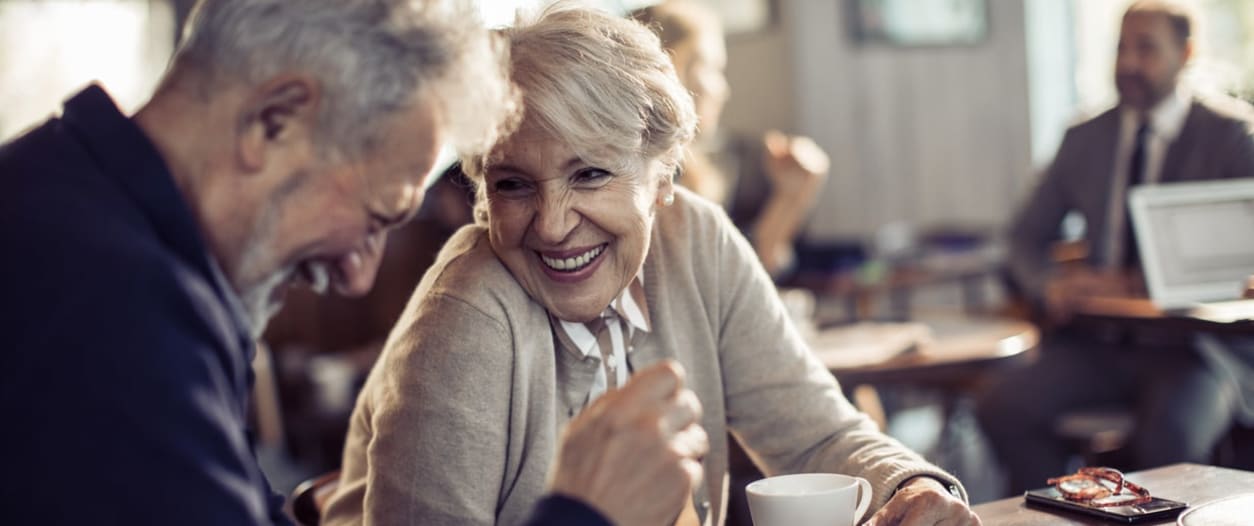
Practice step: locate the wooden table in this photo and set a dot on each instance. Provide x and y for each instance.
(952, 351)
(953, 356)
(1141, 311)
(1191, 483)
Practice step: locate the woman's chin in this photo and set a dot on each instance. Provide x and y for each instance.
(576, 311)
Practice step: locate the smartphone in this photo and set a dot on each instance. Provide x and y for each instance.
(1157, 509)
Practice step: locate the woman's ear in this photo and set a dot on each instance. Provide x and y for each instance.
(666, 187)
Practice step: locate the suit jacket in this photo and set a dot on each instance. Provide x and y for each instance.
(126, 364)
(1216, 142)
(461, 417)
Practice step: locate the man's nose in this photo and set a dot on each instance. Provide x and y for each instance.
(1126, 62)
(355, 272)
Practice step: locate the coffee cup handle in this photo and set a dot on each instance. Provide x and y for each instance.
(864, 499)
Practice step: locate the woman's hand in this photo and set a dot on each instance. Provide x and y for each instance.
(924, 501)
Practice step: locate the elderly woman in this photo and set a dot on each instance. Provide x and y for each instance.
(587, 264)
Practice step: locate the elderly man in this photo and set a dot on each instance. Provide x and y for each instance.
(1160, 132)
(146, 252)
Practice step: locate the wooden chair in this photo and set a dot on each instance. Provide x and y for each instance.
(310, 497)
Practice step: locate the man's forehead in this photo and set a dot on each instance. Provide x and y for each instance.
(1148, 22)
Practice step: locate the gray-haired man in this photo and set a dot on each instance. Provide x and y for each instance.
(145, 252)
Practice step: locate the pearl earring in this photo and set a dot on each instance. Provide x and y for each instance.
(668, 200)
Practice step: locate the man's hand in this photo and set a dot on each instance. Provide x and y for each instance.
(923, 501)
(642, 441)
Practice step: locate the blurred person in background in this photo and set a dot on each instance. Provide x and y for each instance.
(148, 251)
(729, 171)
(1161, 131)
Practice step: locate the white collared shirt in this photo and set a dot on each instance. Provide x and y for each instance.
(623, 318)
(1166, 120)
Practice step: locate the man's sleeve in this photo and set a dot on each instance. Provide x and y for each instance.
(1240, 152)
(135, 416)
(557, 510)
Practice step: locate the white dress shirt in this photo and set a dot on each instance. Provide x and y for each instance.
(1165, 119)
(623, 319)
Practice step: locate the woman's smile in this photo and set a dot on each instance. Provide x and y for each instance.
(571, 266)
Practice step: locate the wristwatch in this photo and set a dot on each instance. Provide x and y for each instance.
(949, 486)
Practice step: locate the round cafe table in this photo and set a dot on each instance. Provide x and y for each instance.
(951, 355)
(941, 351)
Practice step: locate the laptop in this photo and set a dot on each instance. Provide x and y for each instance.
(1196, 243)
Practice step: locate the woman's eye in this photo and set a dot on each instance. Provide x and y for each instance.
(509, 187)
(592, 178)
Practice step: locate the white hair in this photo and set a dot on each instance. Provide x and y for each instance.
(600, 83)
(372, 58)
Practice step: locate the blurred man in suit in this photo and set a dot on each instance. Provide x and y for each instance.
(1160, 132)
(145, 252)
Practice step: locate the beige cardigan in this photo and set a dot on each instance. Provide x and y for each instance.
(460, 418)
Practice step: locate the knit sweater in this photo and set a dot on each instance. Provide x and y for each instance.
(460, 420)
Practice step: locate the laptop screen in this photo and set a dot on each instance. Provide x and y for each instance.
(1196, 239)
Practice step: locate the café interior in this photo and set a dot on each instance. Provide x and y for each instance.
(925, 182)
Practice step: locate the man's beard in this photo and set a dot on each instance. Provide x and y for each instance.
(1137, 91)
(263, 301)
(264, 297)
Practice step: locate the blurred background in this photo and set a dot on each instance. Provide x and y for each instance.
(936, 115)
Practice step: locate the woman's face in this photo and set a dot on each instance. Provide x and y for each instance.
(701, 63)
(574, 234)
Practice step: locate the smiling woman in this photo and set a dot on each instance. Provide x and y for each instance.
(587, 265)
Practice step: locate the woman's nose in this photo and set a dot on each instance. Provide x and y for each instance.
(555, 219)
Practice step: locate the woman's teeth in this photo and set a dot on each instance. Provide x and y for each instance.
(575, 263)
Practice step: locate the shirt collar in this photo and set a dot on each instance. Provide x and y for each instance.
(629, 305)
(1166, 118)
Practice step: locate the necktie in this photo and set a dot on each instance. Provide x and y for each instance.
(1136, 176)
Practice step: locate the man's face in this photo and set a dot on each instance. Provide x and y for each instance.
(1150, 57)
(326, 225)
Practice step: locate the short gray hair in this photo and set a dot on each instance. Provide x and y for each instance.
(601, 84)
(372, 58)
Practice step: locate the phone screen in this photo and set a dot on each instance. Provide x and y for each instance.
(1156, 509)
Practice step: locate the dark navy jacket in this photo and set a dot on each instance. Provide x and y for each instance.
(125, 373)
(125, 368)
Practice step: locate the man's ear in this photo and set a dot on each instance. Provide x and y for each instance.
(1188, 51)
(279, 112)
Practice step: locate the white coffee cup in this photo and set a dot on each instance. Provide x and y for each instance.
(808, 499)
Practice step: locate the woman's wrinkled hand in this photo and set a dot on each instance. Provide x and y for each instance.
(924, 501)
